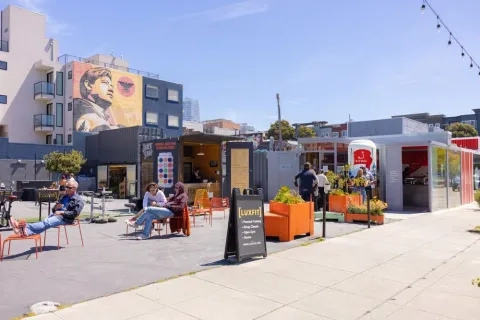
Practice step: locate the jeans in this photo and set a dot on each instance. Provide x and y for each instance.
(39, 227)
(150, 214)
(362, 192)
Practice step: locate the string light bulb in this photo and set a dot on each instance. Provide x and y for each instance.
(438, 24)
(423, 7)
(450, 40)
(463, 54)
(471, 63)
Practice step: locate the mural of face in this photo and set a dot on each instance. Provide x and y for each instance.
(101, 91)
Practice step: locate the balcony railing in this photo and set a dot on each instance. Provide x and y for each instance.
(43, 122)
(3, 45)
(66, 58)
(44, 89)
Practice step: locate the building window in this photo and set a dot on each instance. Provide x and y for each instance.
(59, 139)
(48, 139)
(70, 106)
(3, 65)
(59, 115)
(151, 91)
(59, 83)
(151, 118)
(471, 122)
(437, 125)
(69, 138)
(69, 74)
(322, 135)
(327, 134)
(173, 121)
(335, 134)
(49, 108)
(3, 99)
(172, 95)
(430, 124)
(50, 77)
(344, 133)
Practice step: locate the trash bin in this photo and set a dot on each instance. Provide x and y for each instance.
(28, 194)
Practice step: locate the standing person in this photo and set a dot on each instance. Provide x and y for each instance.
(65, 211)
(174, 207)
(370, 180)
(62, 183)
(71, 177)
(308, 181)
(322, 180)
(360, 184)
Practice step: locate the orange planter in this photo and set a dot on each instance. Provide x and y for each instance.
(338, 203)
(350, 217)
(289, 220)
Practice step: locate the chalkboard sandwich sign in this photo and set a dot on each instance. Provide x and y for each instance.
(246, 229)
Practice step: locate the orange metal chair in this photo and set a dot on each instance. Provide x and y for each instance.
(203, 206)
(74, 224)
(16, 237)
(220, 204)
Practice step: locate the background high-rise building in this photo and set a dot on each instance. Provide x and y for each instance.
(191, 110)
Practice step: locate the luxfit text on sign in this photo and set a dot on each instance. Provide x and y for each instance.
(246, 229)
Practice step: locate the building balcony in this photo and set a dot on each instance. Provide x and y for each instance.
(44, 90)
(44, 65)
(44, 122)
(3, 45)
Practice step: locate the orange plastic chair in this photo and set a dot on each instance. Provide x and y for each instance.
(220, 204)
(202, 206)
(75, 223)
(16, 237)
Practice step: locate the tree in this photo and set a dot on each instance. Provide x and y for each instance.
(461, 130)
(70, 162)
(306, 132)
(288, 132)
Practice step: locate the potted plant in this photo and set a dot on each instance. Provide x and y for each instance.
(283, 199)
(360, 212)
(339, 200)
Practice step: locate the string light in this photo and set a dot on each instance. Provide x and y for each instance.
(451, 37)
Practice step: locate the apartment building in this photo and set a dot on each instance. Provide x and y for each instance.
(191, 110)
(69, 97)
(441, 120)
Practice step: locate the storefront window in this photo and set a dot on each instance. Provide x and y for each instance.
(342, 155)
(438, 164)
(454, 178)
(102, 177)
(476, 171)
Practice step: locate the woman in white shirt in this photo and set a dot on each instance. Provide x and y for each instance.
(322, 181)
(154, 197)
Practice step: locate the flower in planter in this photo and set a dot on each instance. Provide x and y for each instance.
(287, 196)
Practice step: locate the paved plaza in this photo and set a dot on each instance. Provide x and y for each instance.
(110, 262)
(415, 269)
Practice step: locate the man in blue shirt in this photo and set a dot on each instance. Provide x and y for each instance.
(308, 182)
(65, 211)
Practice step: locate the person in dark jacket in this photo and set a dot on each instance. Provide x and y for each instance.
(174, 207)
(308, 182)
(65, 211)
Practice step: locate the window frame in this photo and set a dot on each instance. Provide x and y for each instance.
(49, 137)
(57, 86)
(59, 119)
(3, 63)
(3, 101)
(69, 75)
(69, 138)
(148, 123)
(168, 121)
(169, 97)
(56, 139)
(153, 87)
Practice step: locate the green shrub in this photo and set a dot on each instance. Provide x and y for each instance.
(477, 197)
(287, 196)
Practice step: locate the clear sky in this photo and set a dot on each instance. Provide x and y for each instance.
(327, 59)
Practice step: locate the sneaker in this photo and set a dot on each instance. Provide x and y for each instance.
(15, 226)
(141, 238)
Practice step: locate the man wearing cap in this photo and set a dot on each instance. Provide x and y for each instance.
(308, 182)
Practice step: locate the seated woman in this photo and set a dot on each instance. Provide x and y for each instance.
(154, 196)
(174, 207)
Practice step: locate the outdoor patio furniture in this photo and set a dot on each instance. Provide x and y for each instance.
(202, 205)
(74, 224)
(130, 206)
(178, 224)
(220, 204)
(16, 237)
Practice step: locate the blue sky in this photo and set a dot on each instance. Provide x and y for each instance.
(327, 59)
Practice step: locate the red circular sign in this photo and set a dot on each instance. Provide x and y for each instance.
(126, 86)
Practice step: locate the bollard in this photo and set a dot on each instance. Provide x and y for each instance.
(324, 227)
(368, 208)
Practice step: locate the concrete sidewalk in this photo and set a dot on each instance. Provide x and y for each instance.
(419, 268)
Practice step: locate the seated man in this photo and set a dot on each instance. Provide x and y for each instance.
(174, 207)
(65, 211)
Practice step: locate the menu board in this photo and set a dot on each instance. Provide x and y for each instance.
(246, 230)
(165, 156)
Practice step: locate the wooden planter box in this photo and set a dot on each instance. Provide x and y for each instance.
(340, 203)
(287, 221)
(351, 217)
